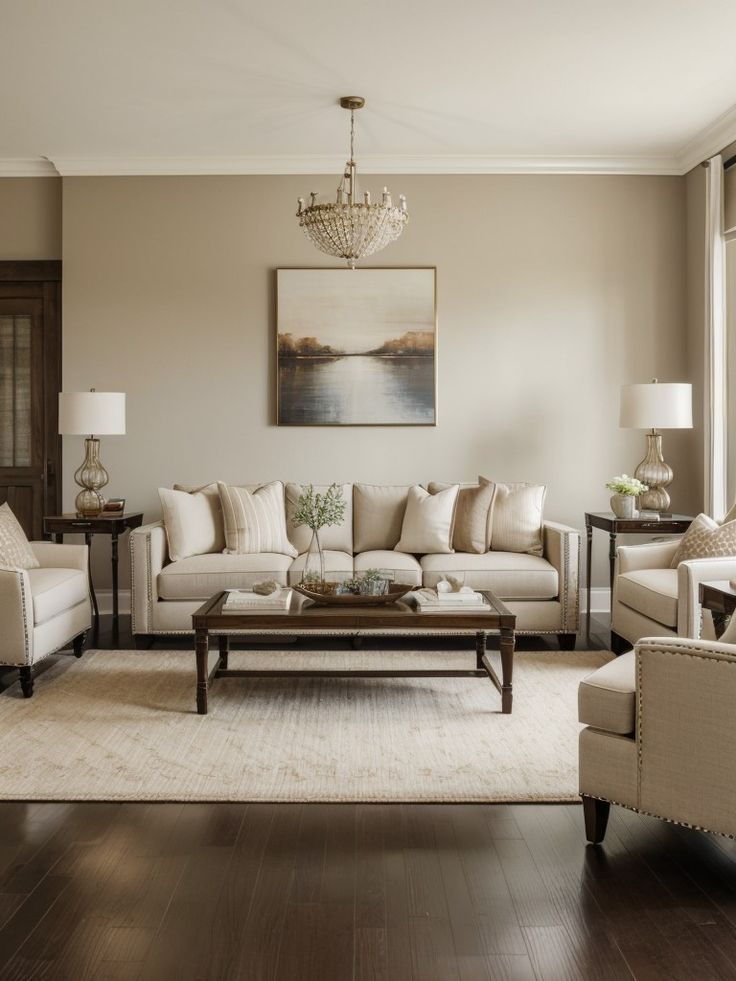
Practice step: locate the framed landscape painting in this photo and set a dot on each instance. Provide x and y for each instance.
(356, 347)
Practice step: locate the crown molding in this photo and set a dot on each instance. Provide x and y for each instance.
(27, 167)
(333, 164)
(708, 141)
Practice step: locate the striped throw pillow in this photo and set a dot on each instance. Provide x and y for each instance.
(255, 522)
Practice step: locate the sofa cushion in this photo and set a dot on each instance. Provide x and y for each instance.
(473, 515)
(338, 565)
(518, 516)
(378, 513)
(255, 522)
(652, 592)
(56, 590)
(428, 521)
(193, 521)
(510, 575)
(200, 576)
(405, 567)
(336, 537)
(607, 698)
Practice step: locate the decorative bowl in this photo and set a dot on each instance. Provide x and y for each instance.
(395, 592)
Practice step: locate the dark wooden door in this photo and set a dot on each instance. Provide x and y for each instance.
(30, 381)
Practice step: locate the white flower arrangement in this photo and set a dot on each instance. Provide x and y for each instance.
(629, 486)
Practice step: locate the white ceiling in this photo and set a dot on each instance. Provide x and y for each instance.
(230, 86)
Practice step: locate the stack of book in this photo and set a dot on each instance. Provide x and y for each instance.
(464, 601)
(246, 601)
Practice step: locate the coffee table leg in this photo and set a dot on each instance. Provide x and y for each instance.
(224, 645)
(480, 649)
(202, 649)
(507, 669)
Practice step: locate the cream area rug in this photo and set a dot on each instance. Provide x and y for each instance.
(122, 725)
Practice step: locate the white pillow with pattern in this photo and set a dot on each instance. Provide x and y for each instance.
(706, 539)
(15, 550)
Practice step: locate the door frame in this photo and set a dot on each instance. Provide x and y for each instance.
(41, 279)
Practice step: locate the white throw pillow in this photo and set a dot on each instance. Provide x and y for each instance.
(193, 521)
(428, 521)
(518, 516)
(15, 549)
(255, 522)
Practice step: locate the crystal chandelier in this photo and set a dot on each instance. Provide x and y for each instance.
(352, 229)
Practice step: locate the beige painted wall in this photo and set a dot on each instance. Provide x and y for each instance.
(553, 291)
(30, 218)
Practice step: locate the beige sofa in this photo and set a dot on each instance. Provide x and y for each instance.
(659, 735)
(542, 590)
(651, 599)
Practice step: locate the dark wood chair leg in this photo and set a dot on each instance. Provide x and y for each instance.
(619, 645)
(596, 814)
(26, 680)
(78, 644)
(567, 641)
(143, 641)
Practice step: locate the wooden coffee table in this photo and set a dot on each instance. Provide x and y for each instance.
(306, 618)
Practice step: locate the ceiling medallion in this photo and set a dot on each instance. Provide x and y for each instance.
(352, 229)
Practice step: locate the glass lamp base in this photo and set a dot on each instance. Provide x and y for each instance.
(89, 503)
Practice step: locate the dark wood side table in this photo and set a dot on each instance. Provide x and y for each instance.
(671, 524)
(720, 599)
(113, 525)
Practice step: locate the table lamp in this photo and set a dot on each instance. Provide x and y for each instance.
(82, 414)
(656, 406)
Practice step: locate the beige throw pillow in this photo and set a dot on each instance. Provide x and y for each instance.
(518, 516)
(378, 511)
(706, 539)
(473, 516)
(193, 521)
(336, 537)
(15, 549)
(255, 522)
(427, 526)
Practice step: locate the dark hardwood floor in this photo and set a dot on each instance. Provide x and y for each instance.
(200, 892)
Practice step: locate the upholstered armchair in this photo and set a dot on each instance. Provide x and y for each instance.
(44, 610)
(660, 735)
(650, 599)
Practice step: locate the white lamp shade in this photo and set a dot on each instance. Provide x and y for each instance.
(656, 406)
(92, 413)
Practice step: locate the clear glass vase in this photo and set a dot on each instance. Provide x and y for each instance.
(314, 564)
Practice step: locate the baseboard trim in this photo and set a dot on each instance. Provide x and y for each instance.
(600, 600)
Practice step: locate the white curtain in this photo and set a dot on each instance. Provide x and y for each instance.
(715, 343)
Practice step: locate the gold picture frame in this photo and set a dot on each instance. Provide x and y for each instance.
(356, 347)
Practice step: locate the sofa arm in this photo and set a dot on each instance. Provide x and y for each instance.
(16, 617)
(562, 550)
(690, 574)
(686, 691)
(51, 556)
(653, 555)
(148, 555)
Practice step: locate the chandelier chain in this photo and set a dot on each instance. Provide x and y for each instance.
(352, 229)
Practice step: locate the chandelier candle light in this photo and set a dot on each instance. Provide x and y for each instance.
(352, 229)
